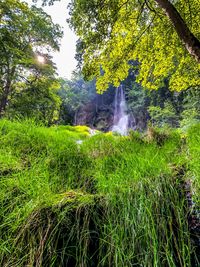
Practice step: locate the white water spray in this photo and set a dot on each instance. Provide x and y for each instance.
(121, 118)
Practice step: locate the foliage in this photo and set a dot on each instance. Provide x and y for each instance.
(115, 32)
(161, 107)
(194, 154)
(38, 100)
(163, 116)
(189, 118)
(137, 98)
(25, 33)
(112, 201)
(74, 93)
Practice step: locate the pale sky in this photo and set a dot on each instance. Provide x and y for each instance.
(65, 58)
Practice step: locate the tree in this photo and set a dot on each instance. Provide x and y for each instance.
(25, 34)
(74, 93)
(191, 108)
(190, 41)
(162, 35)
(163, 116)
(37, 99)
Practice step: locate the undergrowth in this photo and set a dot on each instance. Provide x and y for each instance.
(110, 201)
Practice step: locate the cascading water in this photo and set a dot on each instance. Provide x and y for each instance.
(121, 118)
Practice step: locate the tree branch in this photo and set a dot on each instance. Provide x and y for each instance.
(191, 43)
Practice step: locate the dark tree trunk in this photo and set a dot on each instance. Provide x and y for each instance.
(191, 43)
(6, 92)
(75, 116)
(4, 98)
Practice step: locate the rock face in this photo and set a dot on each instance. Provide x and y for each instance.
(98, 113)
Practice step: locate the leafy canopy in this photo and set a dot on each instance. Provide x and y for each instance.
(114, 32)
(25, 33)
(37, 99)
(25, 29)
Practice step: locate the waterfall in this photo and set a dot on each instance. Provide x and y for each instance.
(121, 118)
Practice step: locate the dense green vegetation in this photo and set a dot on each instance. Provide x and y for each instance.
(29, 87)
(110, 201)
(159, 107)
(72, 196)
(162, 35)
(27, 36)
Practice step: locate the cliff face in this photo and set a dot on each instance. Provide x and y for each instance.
(97, 113)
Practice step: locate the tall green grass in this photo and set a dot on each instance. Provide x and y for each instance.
(111, 201)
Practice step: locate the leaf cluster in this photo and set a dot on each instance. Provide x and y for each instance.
(116, 32)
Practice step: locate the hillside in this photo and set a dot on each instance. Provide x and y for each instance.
(109, 201)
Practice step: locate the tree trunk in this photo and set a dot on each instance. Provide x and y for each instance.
(75, 117)
(191, 43)
(4, 98)
(6, 92)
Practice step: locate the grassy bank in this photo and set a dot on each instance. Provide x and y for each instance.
(111, 201)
